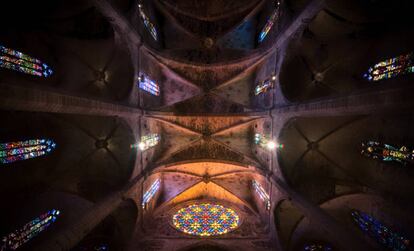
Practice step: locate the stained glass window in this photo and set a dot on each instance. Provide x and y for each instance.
(382, 234)
(149, 194)
(147, 141)
(206, 219)
(15, 60)
(148, 85)
(269, 23)
(387, 153)
(102, 247)
(262, 194)
(263, 141)
(264, 86)
(391, 68)
(150, 26)
(22, 150)
(317, 247)
(19, 237)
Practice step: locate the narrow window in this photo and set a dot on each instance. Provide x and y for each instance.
(148, 85)
(22, 150)
(262, 194)
(269, 23)
(147, 141)
(148, 24)
(150, 193)
(17, 61)
(384, 235)
(391, 68)
(19, 237)
(387, 153)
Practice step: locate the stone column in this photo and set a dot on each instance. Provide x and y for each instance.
(14, 97)
(69, 237)
(340, 236)
(363, 102)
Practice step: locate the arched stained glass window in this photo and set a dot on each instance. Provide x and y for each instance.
(317, 247)
(206, 219)
(148, 24)
(265, 142)
(149, 194)
(391, 68)
(269, 23)
(262, 194)
(147, 141)
(148, 85)
(382, 234)
(264, 86)
(22, 150)
(19, 237)
(387, 153)
(15, 60)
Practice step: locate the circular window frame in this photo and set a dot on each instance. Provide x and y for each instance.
(175, 210)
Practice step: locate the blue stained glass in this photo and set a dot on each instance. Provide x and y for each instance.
(19, 237)
(269, 24)
(148, 24)
(148, 85)
(23, 150)
(382, 234)
(151, 192)
(17, 61)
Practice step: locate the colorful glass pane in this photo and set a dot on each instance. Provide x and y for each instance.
(17, 61)
(265, 142)
(149, 194)
(22, 150)
(269, 23)
(206, 219)
(148, 85)
(262, 194)
(391, 68)
(102, 247)
(264, 86)
(387, 153)
(150, 26)
(381, 233)
(16, 239)
(317, 247)
(147, 141)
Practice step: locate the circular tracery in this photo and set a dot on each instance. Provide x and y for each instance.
(206, 219)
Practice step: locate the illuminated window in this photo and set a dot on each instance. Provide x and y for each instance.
(391, 68)
(150, 26)
(22, 150)
(269, 24)
(19, 237)
(264, 86)
(266, 143)
(147, 141)
(148, 85)
(262, 194)
(317, 247)
(206, 219)
(387, 153)
(382, 234)
(149, 194)
(17, 61)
